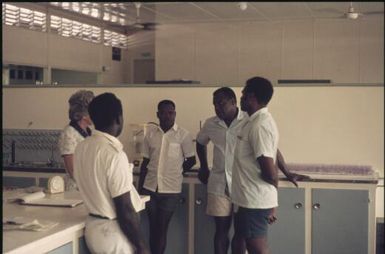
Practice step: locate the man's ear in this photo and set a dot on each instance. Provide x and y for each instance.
(157, 114)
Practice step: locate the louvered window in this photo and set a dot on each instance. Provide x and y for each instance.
(22, 17)
(72, 28)
(115, 39)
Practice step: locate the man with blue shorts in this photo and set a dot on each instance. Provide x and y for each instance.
(255, 177)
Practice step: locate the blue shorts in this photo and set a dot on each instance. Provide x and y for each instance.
(251, 223)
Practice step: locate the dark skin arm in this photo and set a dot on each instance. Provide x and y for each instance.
(204, 172)
(143, 173)
(128, 221)
(292, 177)
(269, 172)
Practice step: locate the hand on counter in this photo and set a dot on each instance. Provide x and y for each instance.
(293, 177)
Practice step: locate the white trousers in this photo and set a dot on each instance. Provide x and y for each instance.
(105, 237)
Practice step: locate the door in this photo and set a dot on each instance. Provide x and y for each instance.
(287, 234)
(339, 221)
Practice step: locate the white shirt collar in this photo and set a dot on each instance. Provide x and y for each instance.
(174, 127)
(112, 140)
(258, 112)
(241, 114)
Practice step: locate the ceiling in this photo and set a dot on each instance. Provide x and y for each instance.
(124, 13)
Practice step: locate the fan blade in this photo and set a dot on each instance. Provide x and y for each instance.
(328, 10)
(373, 12)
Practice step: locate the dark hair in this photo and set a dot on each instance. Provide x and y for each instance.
(165, 102)
(261, 88)
(227, 91)
(104, 109)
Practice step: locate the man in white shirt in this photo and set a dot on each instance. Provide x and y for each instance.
(168, 151)
(222, 130)
(255, 177)
(105, 183)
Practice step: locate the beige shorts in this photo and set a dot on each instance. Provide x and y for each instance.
(218, 205)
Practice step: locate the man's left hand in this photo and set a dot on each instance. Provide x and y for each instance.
(293, 177)
(272, 217)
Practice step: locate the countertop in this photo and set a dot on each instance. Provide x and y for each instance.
(71, 222)
(317, 172)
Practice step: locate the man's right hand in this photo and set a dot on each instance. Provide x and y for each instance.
(203, 175)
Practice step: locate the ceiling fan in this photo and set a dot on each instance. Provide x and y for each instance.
(138, 25)
(351, 12)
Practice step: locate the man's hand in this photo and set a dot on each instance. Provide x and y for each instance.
(272, 217)
(293, 177)
(203, 175)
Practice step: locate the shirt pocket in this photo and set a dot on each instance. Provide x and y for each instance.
(174, 150)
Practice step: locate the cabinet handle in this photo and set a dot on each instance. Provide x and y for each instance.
(316, 206)
(297, 205)
(198, 201)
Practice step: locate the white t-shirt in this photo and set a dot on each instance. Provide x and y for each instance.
(105, 172)
(259, 137)
(68, 140)
(166, 152)
(224, 139)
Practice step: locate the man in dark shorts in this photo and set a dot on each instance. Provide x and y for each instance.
(255, 177)
(168, 151)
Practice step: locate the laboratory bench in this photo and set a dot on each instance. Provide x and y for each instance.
(333, 212)
(65, 237)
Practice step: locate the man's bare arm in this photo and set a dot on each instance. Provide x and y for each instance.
(269, 171)
(128, 220)
(143, 173)
(292, 177)
(204, 172)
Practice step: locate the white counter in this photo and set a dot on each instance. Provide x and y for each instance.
(70, 228)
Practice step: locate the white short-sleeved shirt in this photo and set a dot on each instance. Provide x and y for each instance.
(166, 152)
(105, 172)
(68, 140)
(224, 139)
(258, 137)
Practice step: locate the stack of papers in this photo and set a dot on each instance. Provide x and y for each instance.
(28, 224)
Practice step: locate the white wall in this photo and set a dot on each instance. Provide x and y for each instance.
(345, 51)
(343, 125)
(26, 47)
